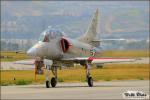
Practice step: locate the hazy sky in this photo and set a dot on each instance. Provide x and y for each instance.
(115, 16)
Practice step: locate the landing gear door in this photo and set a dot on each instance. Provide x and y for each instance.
(48, 62)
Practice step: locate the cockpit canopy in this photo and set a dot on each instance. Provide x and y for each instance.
(50, 34)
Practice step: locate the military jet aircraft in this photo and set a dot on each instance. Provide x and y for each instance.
(56, 49)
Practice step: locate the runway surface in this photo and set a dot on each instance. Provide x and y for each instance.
(101, 90)
(13, 66)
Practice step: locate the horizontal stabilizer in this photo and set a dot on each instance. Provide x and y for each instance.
(105, 40)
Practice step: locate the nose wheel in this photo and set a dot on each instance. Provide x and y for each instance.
(47, 84)
(53, 82)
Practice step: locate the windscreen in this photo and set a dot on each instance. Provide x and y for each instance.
(50, 34)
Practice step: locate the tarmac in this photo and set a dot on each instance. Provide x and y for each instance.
(101, 90)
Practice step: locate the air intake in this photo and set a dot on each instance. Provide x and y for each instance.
(65, 45)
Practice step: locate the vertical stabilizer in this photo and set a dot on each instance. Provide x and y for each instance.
(91, 32)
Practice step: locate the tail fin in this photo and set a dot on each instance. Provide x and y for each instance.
(91, 33)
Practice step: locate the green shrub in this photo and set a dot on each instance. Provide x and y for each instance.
(60, 80)
(22, 82)
(4, 84)
(107, 79)
(140, 78)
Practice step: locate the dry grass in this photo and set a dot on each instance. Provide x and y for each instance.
(12, 56)
(134, 53)
(108, 73)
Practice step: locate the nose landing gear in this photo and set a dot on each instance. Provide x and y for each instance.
(53, 81)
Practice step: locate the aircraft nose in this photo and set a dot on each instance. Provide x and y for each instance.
(31, 52)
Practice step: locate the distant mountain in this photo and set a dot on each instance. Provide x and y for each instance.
(118, 19)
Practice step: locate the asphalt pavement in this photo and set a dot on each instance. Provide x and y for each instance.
(101, 90)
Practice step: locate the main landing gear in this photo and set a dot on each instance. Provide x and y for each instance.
(53, 81)
(88, 76)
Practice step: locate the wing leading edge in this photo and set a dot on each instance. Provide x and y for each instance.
(89, 59)
(110, 60)
(102, 60)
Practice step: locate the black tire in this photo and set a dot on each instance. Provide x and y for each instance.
(90, 81)
(47, 84)
(53, 82)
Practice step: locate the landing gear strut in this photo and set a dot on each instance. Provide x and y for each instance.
(53, 81)
(47, 76)
(88, 76)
